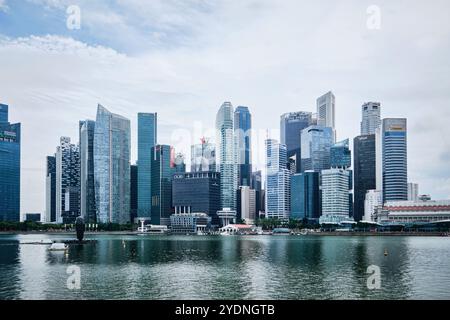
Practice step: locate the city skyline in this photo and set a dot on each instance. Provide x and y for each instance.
(192, 76)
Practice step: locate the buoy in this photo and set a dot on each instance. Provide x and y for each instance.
(385, 252)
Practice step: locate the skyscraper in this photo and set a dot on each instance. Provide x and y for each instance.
(340, 155)
(364, 168)
(291, 126)
(316, 146)
(50, 190)
(67, 181)
(133, 192)
(147, 139)
(246, 204)
(277, 181)
(227, 161)
(413, 191)
(305, 196)
(395, 162)
(326, 106)
(243, 134)
(112, 167)
(371, 118)
(180, 165)
(87, 198)
(10, 142)
(335, 200)
(163, 169)
(257, 186)
(203, 156)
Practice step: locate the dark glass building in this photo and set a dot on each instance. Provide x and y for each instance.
(10, 141)
(305, 196)
(291, 126)
(163, 169)
(364, 171)
(257, 186)
(197, 192)
(50, 192)
(242, 127)
(87, 179)
(133, 192)
(147, 139)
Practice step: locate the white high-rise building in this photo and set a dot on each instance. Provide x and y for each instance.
(372, 201)
(277, 181)
(413, 191)
(335, 193)
(227, 159)
(326, 111)
(371, 118)
(248, 204)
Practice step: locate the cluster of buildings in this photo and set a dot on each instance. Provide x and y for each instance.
(309, 175)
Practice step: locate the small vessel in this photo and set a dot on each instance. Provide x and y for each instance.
(386, 253)
(58, 247)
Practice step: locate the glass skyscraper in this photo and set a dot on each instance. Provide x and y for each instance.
(163, 169)
(147, 139)
(227, 160)
(87, 199)
(112, 167)
(340, 155)
(277, 181)
(364, 168)
(371, 118)
(133, 192)
(291, 126)
(203, 157)
(395, 160)
(242, 129)
(316, 146)
(50, 191)
(305, 196)
(10, 142)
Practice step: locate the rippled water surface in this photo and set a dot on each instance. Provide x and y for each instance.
(259, 267)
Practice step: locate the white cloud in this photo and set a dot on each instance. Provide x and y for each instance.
(273, 57)
(3, 5)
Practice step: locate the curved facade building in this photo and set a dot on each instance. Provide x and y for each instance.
(112, 167)
(227, 162)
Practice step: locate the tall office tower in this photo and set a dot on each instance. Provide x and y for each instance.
(413, 191)
(112, 167)
(147, 139)
(243, 134)
(316, 146)
(277, 181)
(163, 169)
(180, 165)
(197, 192)
(50, 190)
(257, 186)
(291, 126)
(133, 193)
(340, 155)
(364, 168)
(305, 196)
(395, 159)
(67, 181)
(203, 156)
(326, 112)
(371, 118)
(10, 141)
(87, 198)
(372, 201)
(246, 200)
(335, 186)
(227, 161)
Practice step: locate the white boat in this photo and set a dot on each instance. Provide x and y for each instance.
(58, 247)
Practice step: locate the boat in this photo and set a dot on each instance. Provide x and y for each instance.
(58, 247)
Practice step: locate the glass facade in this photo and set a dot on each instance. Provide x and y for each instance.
(326, 106)
(147, 139)
(364, 168)
(242, 128)
(227, 161)
(50, 192)
(10, 142)
(197, 192)
(133, 192)
(163, 168)
(87, 199)
(316, 148)
(340, 155)
(112, 167)
(305, 196)
(395, 163)
(203, 157)
(291, 126)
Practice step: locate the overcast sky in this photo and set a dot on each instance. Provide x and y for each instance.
(183, 59)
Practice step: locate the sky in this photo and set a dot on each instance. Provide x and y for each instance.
(183, 59)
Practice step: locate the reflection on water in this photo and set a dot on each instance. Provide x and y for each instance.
(259, 267)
